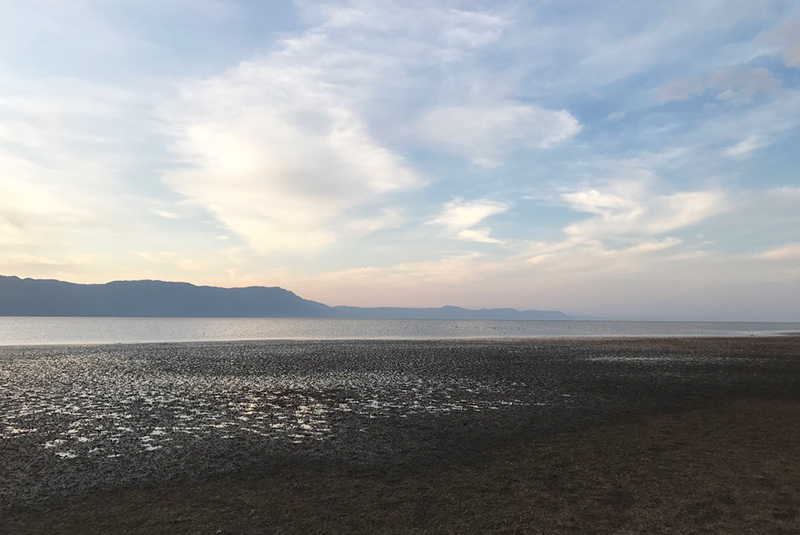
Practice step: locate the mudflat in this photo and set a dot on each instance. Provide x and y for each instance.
(512, 436)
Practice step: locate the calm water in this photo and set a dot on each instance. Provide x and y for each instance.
(60, 330)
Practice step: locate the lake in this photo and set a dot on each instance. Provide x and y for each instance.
(80, 330)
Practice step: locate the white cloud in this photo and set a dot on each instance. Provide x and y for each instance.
(790, 250)
(386, 219)
(478, 235)
(622, 234)
(470, 29)
(452, 269)
(449, 270)
(611, 42)
(736, 133)
(34, 209)
(583, 257)
(649, 247)
(484, 133)
(459, 217)
(166, 214)
(459, 214)
(424, 31)
(629, 208)
(744, 147)
(678, 210)
(70, 125)
(539, 258)
(66, 144)
(276, 154)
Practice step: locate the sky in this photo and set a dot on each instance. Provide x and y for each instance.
(619, 159)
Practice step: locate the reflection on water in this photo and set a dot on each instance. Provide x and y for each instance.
(105, 405)
(62, 330)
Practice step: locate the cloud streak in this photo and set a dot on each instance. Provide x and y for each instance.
(460, 218)
(485, 133)
(628, 208)
(784, 252)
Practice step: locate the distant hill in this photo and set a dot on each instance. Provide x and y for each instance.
(148, 298)
(448, 313)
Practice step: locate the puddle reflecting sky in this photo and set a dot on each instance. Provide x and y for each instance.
(78, 420)
(105, 403)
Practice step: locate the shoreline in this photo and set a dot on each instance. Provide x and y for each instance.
(651, 430)
(466, 339)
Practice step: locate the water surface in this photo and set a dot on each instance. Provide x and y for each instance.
(79, 330)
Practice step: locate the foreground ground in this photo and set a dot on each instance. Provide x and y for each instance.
(626, 436)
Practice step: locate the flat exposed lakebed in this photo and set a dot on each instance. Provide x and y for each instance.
(82, 423)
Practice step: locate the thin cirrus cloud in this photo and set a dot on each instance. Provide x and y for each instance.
(460, 218)
(628, 208)
(785, 252)
(447, 270)
(485, 133)
(33, 210)
(744, 147)
(627, 225)
(738, 85)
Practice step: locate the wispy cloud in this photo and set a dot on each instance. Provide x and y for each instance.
(460, 217)
(744, 147)
(738, 85)
(34, 210)
(627, 207)
(486, 133)
(790, 250)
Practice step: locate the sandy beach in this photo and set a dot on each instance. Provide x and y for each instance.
(526, 436)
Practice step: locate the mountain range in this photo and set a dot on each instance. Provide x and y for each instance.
(150, 298)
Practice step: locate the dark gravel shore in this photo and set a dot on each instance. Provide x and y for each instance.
(527, 436)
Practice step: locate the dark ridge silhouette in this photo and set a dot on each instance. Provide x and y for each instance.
(29, 297)
(149, 298)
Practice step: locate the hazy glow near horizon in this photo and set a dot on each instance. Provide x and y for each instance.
(633, 159)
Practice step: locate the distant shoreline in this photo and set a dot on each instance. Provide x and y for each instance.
(161, 299)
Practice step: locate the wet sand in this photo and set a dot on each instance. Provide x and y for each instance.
(557, 436)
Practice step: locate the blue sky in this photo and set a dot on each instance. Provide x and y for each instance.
(626, 159)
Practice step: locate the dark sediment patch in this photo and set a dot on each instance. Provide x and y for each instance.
(669, 435)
